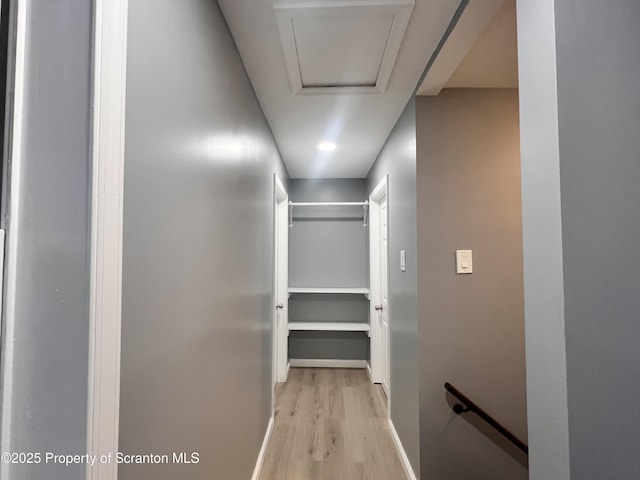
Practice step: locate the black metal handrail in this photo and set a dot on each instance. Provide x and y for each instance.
(469, 405)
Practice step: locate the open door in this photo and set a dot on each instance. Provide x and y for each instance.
(382, 308)
(379, 286)
(281, 281)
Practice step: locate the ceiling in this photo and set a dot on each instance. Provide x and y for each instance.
(480, 52)
(493, 61)
(341, 71)
(338, 71)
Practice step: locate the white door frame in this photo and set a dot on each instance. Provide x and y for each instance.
(103, 415)
(379, 192)
(13, 167)
(107, 162)
(281, 283)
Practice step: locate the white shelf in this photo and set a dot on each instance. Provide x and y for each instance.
(329, 326)
(361, 291)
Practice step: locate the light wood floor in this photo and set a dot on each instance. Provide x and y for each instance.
(330, 424)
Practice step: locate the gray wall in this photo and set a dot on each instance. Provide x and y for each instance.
(471, 326)
(598, 61)
(198, 247)
(328, 245)
(398, 160)
(45, 343)
(594, 209)
(328, 248)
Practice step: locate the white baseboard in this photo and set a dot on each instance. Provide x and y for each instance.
(263, 451)
(328, 363)
(369, 372)
(408, 470)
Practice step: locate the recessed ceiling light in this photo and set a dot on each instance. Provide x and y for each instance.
(326, 146)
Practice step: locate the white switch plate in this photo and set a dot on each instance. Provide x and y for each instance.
(464, 261)
(403, 260)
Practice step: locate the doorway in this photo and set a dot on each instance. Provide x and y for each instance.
(379, 285)
(281, 281)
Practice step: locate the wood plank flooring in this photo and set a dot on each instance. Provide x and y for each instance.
(330, 424)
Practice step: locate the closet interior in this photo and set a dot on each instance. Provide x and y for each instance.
(328, 293)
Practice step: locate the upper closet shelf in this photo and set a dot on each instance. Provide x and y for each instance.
(360, 291)
(364, 205)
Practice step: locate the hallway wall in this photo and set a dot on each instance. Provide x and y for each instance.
(471, 326)
(45, 341)
(198, 247)
(581, 197)
(398, 160)
(599, 122)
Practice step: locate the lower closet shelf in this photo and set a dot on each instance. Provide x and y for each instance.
(329, 326)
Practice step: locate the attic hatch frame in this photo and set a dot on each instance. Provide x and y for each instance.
(286, 13)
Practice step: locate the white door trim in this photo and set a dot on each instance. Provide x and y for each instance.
(110, 50)
(280, 330)
(14, 169)
(379, 192)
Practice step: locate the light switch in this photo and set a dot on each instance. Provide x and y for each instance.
(403, 260)
(464, 261)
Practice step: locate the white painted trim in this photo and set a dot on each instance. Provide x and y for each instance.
(369, 372)
(278, 188)
(281, 192)
(470, 26)
(15, 159)
(110, 51)
(326, 363)
(545, 309)
(263, 451)
(374, 295)
(404, 459)
(280, 347)
(380, 190)
(386, 391)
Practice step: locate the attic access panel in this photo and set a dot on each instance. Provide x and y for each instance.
(347, 46)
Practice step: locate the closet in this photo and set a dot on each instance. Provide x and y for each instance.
(328, 280)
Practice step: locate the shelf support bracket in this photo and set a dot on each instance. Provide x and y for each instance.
(290, 214)
(366, 213)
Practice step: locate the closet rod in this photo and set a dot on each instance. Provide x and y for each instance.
(364, 205)
(328, 204)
